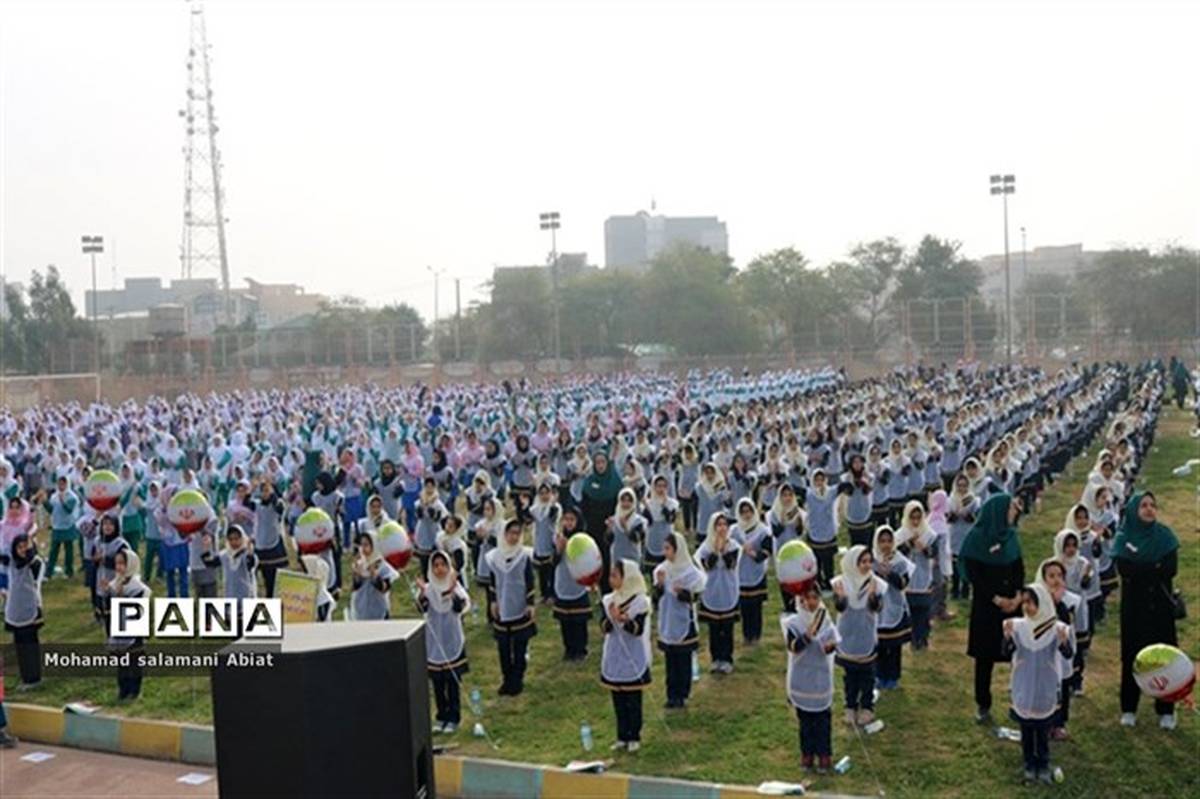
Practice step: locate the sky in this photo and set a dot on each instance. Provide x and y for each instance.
(365, 143)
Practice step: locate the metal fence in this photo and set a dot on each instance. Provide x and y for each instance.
(1043, 327)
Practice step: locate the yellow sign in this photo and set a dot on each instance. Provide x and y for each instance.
(299, 594)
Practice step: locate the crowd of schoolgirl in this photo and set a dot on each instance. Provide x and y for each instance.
(732, 469)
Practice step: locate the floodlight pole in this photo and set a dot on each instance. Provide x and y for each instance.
(550, 221)
(1005, 185)
(91, 246)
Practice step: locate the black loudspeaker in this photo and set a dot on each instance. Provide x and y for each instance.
(344, 711)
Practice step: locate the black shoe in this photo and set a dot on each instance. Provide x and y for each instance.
(504, 690)
(7, 741)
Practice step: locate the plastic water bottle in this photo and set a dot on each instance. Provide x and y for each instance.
(585, 736)
(1058, 774)
(695, 667)
(476, 702)
(843, 765)
(478, 730)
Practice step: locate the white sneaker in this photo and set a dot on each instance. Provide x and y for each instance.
(633, 746)
(449, 727)
(1128, 720)
(439, 728)
(851, 717)
(1167, 721)
(619, 746)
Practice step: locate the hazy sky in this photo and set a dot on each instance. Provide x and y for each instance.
(363, 141)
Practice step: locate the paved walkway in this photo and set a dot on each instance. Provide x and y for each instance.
(78, 773)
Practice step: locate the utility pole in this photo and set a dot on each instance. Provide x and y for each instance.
(457, 319)
(436, 273)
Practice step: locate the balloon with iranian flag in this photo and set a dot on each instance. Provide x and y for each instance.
(584, 561)
(394, 544)
(1164, 672)
(795, 567)
(314, 531)
(188, 511)
(102, 491)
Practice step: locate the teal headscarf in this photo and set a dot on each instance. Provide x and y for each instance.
(1142, 542)
(991, 540)
(603, 486)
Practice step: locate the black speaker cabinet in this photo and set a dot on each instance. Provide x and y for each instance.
(344, 711)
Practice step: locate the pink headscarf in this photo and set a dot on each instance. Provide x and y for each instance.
(939, 503)
(414, 464)
(18, 522)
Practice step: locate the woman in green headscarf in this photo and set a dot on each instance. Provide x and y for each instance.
(600, 492)
(991, 561)
(1146, 554)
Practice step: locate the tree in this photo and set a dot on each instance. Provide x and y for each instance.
(933, 290)
(519, 317)
(12, 331)
(1054, 304)
(51, 322)
(868, 278)
(690, 303)
(800, 300)
(600, 313)
(1144, 295)
(404, 318)
(937, 269)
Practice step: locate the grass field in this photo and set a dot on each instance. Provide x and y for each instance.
(739, 728)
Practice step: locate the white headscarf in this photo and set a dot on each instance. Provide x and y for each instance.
(854, 582)
(440, 592)
(920, 535)
(1037, 632)
(505, 556)
(633, 583)
(1060, 543)
(812, 620)
(681, 570)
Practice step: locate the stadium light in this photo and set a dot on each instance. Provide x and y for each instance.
(549, 220)
(91, 246)
(1005, 185)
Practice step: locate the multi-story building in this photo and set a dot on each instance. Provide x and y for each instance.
(1065, 260)
(266, 304)
(633, 241)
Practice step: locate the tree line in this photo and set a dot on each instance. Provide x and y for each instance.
(691, 302)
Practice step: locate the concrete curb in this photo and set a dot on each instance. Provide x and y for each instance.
(464, 777)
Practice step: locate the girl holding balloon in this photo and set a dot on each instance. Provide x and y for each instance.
(572, 604)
